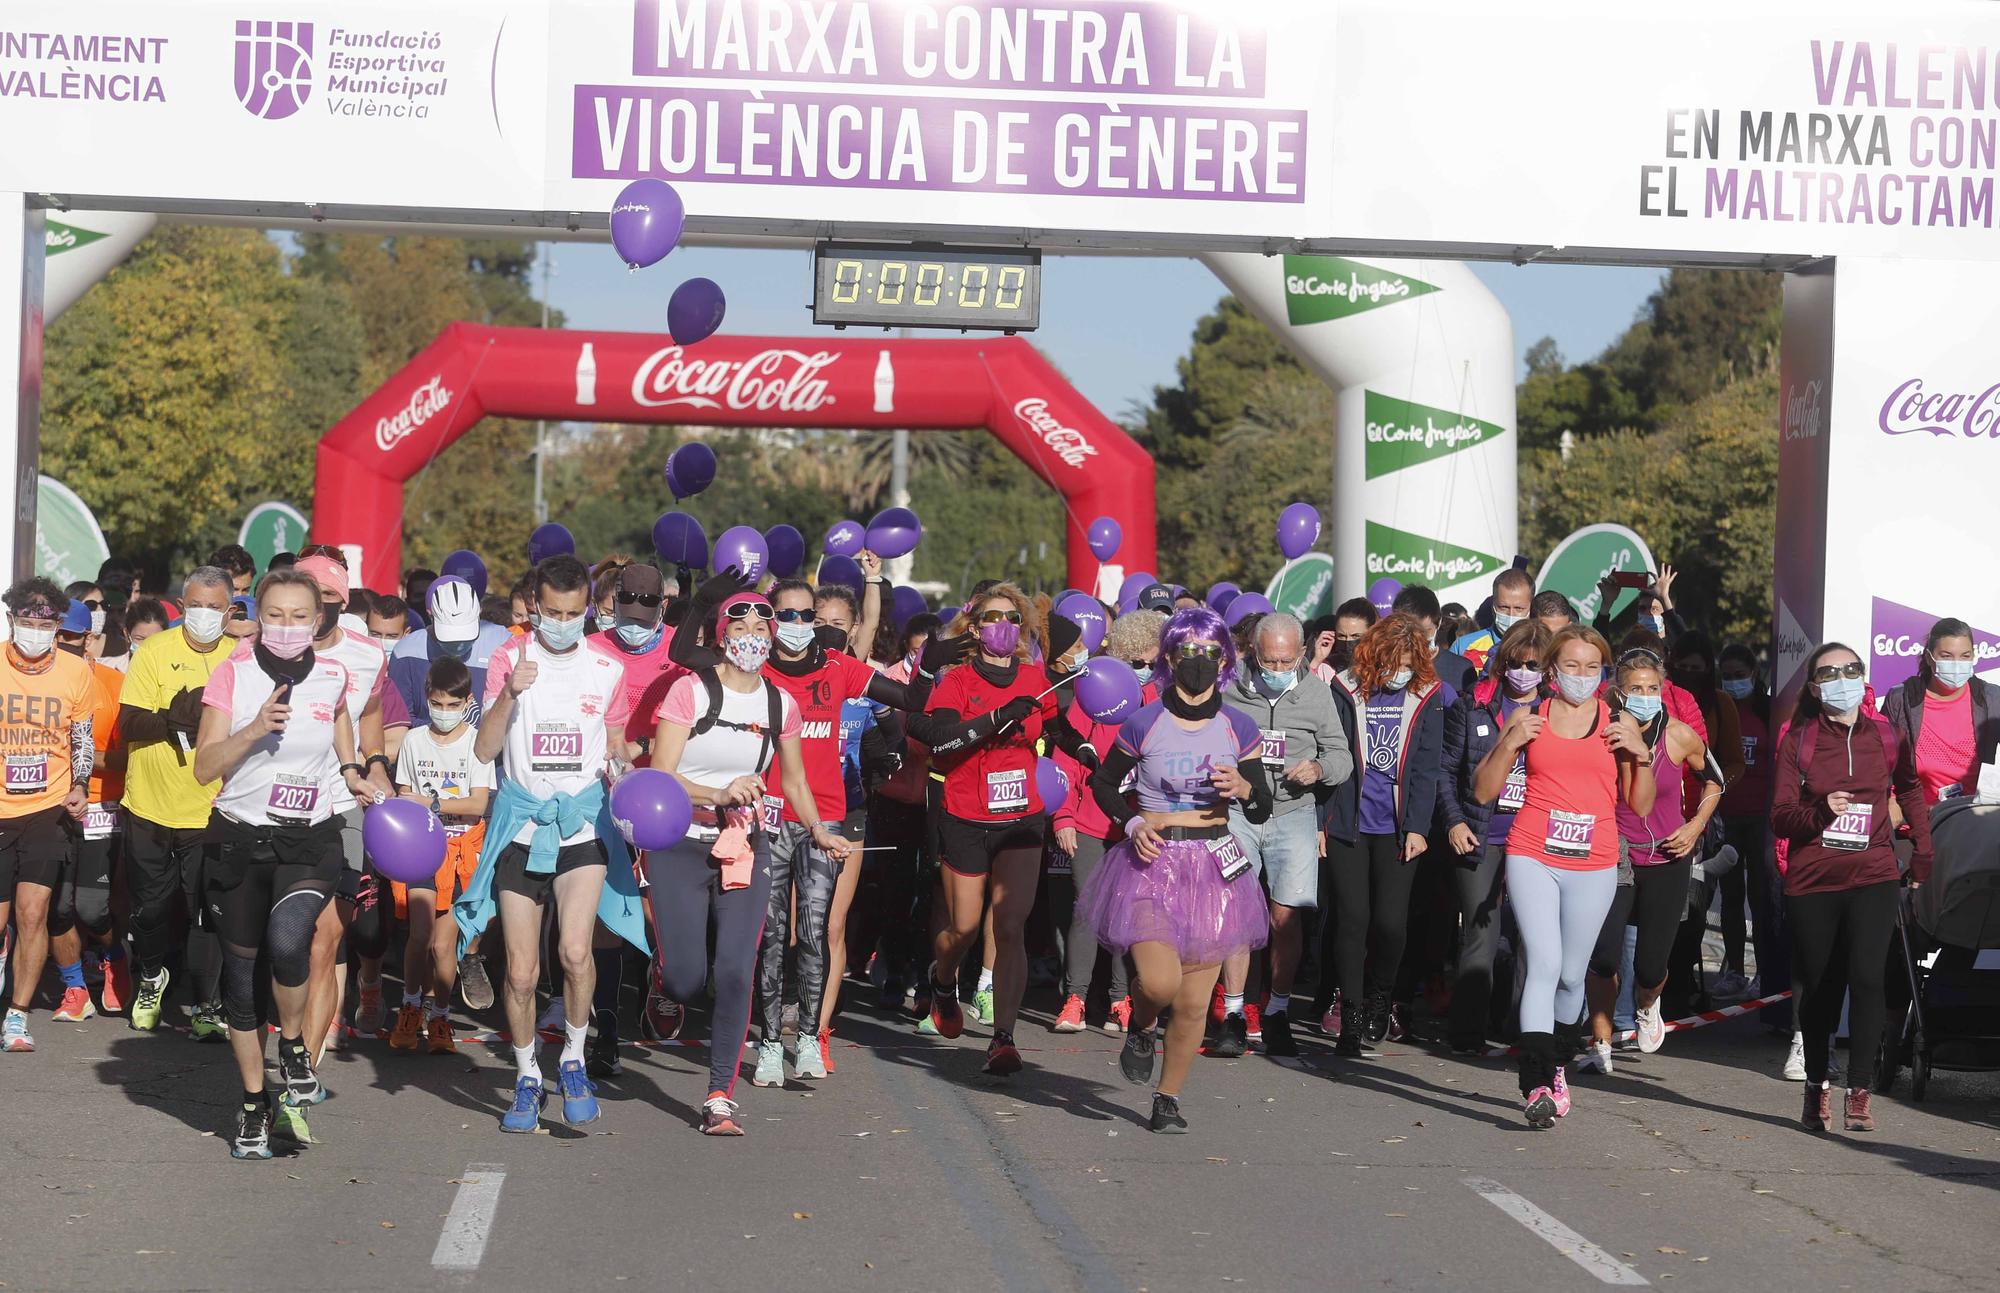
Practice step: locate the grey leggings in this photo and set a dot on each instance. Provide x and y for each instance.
(684, 886)
(1079, 940)
(1559, 914)
(795, 863)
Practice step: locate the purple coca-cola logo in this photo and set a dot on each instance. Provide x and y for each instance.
(274, 69)
(1914, 407)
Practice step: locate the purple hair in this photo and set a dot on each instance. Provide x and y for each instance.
(1197, 624)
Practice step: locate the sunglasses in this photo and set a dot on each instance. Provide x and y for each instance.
(327, 550)
(647, 600)
(995, 617)
(1536, 665)
(94, 603)
(744, 610)
(795, 617)
(1198, 650)
(1141, 664)
(1830, 672)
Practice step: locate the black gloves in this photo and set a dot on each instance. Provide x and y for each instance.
(1016, 710)
(941, 653)
(184, 710)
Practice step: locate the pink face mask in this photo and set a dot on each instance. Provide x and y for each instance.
(286, 641)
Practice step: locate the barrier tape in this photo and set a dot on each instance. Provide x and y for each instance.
(1674, 1025)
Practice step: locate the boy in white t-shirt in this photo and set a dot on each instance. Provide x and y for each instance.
(438, 766)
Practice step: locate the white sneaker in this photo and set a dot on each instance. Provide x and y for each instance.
(1596, 1058)
(1795, 1059)
(770, 1064)
(1651, 1028)
(807, 1062)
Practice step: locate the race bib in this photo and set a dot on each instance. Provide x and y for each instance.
(556, 747)
(99, 821)
(1515, 792)
(772, 813)
(293, 799)
(1007, 792)
(1229, 857)
(27, 774)
(1058, 862)
(1271, 747)
(1569, 834)
(1851, 830)
(1749, 751)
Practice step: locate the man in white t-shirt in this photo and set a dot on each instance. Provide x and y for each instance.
(555, 708)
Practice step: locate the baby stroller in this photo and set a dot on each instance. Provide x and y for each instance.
(1953, 1021)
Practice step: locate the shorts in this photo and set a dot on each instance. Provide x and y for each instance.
(247, 877)
(461, 859)
(969, 847)
(35, 849)
(1285, 851)
(511, 874)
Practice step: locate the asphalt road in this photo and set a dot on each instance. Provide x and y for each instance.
(907, 1169)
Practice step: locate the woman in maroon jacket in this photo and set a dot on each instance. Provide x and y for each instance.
(1838, 766)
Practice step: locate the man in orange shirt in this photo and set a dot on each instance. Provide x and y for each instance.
(83, 905)
(47, 751)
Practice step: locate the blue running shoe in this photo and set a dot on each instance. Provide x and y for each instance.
(526, 1114)
(579, 1105)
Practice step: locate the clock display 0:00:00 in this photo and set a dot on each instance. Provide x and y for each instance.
(927, 287)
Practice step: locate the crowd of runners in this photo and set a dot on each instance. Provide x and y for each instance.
(1502, 821)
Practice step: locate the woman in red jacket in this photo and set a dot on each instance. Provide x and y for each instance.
(1838, 766)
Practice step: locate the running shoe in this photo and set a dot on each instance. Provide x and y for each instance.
(1070, 1018)
(770, 1064)
(1136, 1060)
(526, 1114)
(1253, 1021)
(14, 1033)
(578, 1094)
(116, 992)
(807, 1061)
(206, 1024)
(945, 1014)
(1596, 1058)
(1167, 1114)
(1395, 1031)
(1348, 1045)
(368, 1013)
(290, 1121)
(295, 1067)
(146, 1002)
(662, 1018)
(554, 1016)
(74, 1007)
(1375, 1016)
(982, 1006)
(1217, 1008)
(1232, 1039)
(1003, 1058)
(1278, 1041)
(408, 1033)
(1329, 1023)
(1541, 1108)
(925, 1028)
(1858, 1116)
(1652, 1029)
(441, 1040)
(474, 987)
(920, 999)
(600, 1057)
(1729, 985)
(1120, 1017)
(826, 1049)
(336, 1038)
(718, 1116)
(253, 1131)
(1819, 1107)
(1559, 1092)
(1795, 1059)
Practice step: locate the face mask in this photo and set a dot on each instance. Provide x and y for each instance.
(1576, 688)
(831, 638)
(97, 621)
(456, 650)
(1739, 688)
(559, 635)
(1653, 624)
(1001, 638)
(447, 720)
(1342, 656)
(1503, 623)
(202, 624)
(1280, 681)
(1523, 681)
(286, 641)
(1843, 695)
(1195, 674)
(1953, 673)
(1398, 680)
(795, 637)
(636, 634)
(1643, 708)
(34, 643)
(748, 652)
(329, 617)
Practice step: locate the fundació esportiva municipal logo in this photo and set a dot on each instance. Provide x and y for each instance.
(274, 67)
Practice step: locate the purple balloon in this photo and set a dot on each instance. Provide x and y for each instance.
(1105, 536)
(465, 564)
(650, 809)
(679, 539)
(836, 569)
(1135, 583)
(548, 541)
(695, 310)
(1108, 690)
(646, 222)
(742, 547)
(844, 539)
(1245, 606)
(787, 548)
(894, 532)
(1051, 784)
(1382, 593)
(404, 839)
(1220, 595)
(1087, 613)
(905, 603)
(690, 469)
(1298, 530)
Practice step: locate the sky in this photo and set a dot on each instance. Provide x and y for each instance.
(1114, 324)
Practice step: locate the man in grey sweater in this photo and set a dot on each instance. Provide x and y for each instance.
(1305, 755)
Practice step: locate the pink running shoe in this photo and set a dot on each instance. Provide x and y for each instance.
(1541, 1108)
(1560, 1092)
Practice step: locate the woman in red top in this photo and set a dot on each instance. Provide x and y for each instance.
(1834, 779)
(1948, 719)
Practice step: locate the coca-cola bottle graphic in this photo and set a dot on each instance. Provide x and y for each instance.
(586, 375)
(885, 384)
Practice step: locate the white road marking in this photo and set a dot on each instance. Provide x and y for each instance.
(463, 1242)
(1555, 1234)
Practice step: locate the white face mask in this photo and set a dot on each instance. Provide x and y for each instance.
(97, 622)
(447, 720)
(203, 624)
(34, 643)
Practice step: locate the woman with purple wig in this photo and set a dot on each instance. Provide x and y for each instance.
(1178, 893)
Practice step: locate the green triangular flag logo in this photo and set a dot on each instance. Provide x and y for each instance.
(1319, 288)
(1403, 433)
(59, 237)
(1414, 559)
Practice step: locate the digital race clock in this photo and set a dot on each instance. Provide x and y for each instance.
(903, 286)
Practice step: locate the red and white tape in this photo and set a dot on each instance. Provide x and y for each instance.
(1678, 1025)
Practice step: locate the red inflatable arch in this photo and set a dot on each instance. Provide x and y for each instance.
(470, 372)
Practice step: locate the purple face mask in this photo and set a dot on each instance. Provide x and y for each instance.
(1000, 638)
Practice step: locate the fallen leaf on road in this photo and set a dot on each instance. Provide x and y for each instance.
(1672, 1252)
(1678, 1171)
(1416, 1124)
(1217, 1160)
(1763, 1191)
(802, 1216)
(860, 1134)
(1396, 1214)
(1394, 1140)
(1701, 1259)
(388, 1225)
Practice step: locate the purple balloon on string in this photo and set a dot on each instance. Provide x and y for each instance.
(1245, 606)
(465, 564)
(1051, 784)
(844, 539)
(1220, 595)
(646, 222)
(894, 532)
(1087, 613)
(650, 809)
(1135, 583)
(743, 548)
(1105, 536)
(404, 840)
(690, 470)
(905, 603)
(787, 548)
(679, 539)
(1298, 530)
(835, 569)
(695, 310)
(1108, 690)
(548, 541)
(1382, 594)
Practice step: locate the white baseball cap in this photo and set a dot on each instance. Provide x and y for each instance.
(454, 610)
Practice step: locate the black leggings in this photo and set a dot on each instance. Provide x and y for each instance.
(684, 884)
(265, 908)
(887, 899)
(1371, 896)
(1840, 951)
(85, 897)
(1654, 902)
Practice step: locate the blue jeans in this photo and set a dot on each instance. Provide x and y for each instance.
(1285, 851)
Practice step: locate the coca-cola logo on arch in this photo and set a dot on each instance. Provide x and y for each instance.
(1070, 444)
(776, 380)
(425, 402)
(1912, 406)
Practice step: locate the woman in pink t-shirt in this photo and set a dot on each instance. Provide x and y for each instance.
(1945, 716)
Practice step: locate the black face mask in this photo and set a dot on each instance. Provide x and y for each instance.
(831, 639)
(1342, 657)
(329, 616)
(1195, 674)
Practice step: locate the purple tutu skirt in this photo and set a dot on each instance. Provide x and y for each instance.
(1179, 899)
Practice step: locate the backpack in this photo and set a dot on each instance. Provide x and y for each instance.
(1892, 750)
(768, 732)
